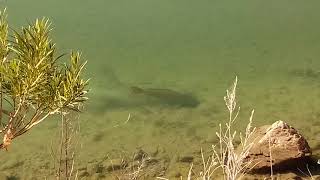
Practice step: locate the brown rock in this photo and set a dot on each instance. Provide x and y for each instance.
(279, 145)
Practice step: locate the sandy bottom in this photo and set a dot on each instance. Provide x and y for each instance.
(192, 47)
(165, 132)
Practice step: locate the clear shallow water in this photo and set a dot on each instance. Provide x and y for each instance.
(188, 46)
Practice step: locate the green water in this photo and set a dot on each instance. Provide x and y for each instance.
(195, 47)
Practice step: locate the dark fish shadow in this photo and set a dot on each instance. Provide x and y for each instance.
(118, 95)
(166, 97)
(131, 100)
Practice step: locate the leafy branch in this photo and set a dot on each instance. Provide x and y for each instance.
(34, 84)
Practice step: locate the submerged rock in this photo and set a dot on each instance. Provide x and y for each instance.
(280, 146)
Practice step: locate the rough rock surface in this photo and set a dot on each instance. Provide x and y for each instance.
(280, 144)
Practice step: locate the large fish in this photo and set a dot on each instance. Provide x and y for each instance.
(167, 96)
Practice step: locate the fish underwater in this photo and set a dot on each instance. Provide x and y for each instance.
(167, 96)
(113, 94)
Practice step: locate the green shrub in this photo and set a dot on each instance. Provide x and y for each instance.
(34, 83)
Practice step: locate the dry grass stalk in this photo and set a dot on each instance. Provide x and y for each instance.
(64, 157)
(309, 173)
(209, 167)
(129, 169)
(233, 163)
(190, 172)
(225, 157)
(136, 171)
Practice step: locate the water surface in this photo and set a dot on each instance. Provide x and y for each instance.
(192, 47)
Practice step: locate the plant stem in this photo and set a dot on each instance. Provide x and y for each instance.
(66, 145)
